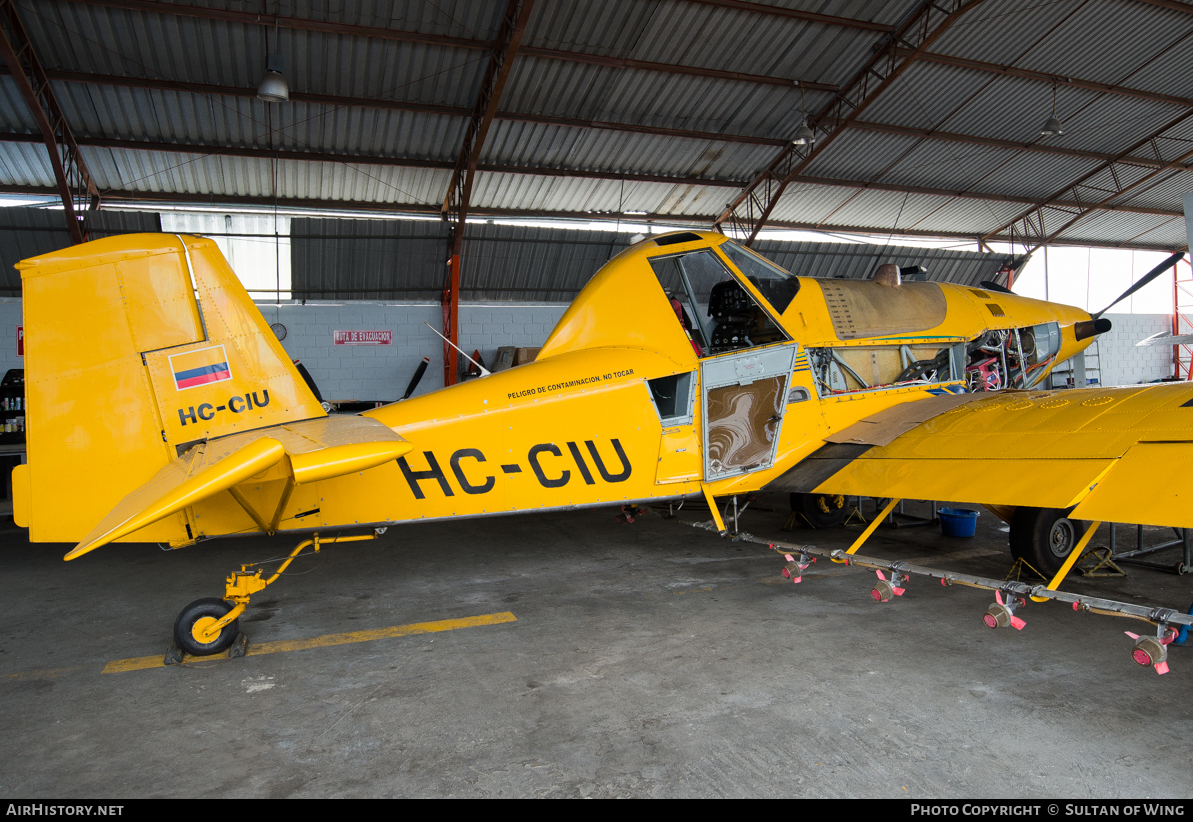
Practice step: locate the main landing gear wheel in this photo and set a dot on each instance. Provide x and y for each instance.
(820, 510)
(196, 618)
(1044, 537)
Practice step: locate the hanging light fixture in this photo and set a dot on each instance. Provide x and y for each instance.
(273, 87)
(804, 136)
(1052, 126)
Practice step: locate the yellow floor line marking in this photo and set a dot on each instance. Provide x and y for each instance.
(118, 666)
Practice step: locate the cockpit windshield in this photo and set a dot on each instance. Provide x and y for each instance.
(715, 310)
(776, 285)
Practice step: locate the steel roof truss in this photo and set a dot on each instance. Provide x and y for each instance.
(1094, 191)
(917, 33)
(70, 172)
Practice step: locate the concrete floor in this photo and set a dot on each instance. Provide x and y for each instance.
(646, 660)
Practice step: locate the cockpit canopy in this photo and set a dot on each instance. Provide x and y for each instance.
(708, 297)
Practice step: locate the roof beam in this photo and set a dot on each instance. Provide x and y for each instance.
(390, 210)
(752, 208)
(326, 27)
(572, 122)
(1175, 5)
(1051, 79)
(973, 195)
(70, 171)
(1038, 224)
(493, 168)
(299, 22)
(325, 157)
(1037, 148)
(250, 18)
(397, 105)
(796, 14)
(671, 68)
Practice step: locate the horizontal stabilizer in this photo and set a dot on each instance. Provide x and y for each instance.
(171, 490)
(344, 459)
(318, 449)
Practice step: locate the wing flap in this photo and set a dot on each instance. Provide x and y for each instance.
(1045, 483)
(1150, 484)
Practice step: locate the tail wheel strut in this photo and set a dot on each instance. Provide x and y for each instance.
(210, 625)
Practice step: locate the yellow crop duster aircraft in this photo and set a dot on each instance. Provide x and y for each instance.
(688, 366)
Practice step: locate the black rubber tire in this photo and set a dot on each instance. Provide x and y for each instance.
(206, 607)
(1044, 537)
(821, 510)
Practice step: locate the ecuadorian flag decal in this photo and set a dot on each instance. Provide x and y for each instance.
(202, 367)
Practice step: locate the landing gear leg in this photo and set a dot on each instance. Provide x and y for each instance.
(209, 626)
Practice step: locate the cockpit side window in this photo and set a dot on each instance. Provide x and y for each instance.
(670, 275)
(724, 316)
(776, 285)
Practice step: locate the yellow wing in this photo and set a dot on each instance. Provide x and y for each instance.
(305, 452)
(1119, 454)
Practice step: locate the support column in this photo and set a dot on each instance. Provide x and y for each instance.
(459, 189)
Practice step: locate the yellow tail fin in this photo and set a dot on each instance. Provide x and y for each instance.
(137, 347)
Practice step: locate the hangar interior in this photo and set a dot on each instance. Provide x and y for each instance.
(382, 172)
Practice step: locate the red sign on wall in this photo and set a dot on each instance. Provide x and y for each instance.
(20, 340)
(362, 337)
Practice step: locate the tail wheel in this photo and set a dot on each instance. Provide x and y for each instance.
(199, 616)
(1044, 537)
(821, 510)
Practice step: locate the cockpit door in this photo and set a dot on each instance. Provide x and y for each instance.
(744, 396)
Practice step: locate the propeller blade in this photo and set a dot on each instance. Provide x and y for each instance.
(1142, 281)
(990, 285)
(1165, 338)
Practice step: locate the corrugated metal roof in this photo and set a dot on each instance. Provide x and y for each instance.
(652, 99)
(26, 164)
(694, 34)
(543, 146)
(581, 196)
(1118, 227)
(1057, 37)
(1137, 44)
(87, 38)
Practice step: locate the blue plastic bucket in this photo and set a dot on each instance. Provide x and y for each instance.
(958, 522)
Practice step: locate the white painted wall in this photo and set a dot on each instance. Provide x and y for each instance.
(381, 372)
(1124, 364)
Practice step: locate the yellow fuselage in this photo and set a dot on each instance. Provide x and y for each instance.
(577, 427)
